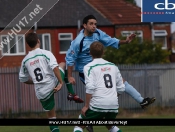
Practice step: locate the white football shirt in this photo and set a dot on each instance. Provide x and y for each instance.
(103, 80)
(39, 65)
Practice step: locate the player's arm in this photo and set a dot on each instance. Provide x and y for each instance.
(113, 42)
(69, 72)
(86, 107)
(24, 75)
(71, 56)
(128, 39)
(89, 80)
(30, 81)
(54, 66)
(58, 75)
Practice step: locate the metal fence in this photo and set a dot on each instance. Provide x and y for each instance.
(150, 80)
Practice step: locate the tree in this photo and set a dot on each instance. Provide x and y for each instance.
(146, 52)
(131, 1)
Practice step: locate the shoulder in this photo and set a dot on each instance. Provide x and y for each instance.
(99, 31)
(109, 63)
(25, 59)
(45, 52)
(88, 68)
(88, 65)
(78, 39)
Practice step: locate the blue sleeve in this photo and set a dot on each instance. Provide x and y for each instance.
(72, 53)
(106, 40)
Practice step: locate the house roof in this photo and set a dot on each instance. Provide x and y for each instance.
(64, 13)
(117, 11)
(67, 12)
(9, 9)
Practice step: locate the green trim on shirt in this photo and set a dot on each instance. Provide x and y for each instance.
(98, 65)
(36, 56)
(32, 58)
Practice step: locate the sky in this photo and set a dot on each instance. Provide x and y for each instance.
(173, 23)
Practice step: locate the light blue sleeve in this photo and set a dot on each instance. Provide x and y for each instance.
(106, 40)
(72, 53)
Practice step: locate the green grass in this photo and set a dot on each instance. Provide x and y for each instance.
(96, 129)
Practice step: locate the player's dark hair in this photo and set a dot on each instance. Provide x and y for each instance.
(31, 39)
(96, 49)
(85, 20)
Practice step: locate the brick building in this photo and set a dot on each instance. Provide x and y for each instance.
(60, 25)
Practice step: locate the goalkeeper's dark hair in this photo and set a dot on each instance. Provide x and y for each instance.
(85, 20)
(31, 39)
(96, 49)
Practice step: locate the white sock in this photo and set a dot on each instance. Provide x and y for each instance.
(79, 117)
(52, 118)
(114, 129)
(78, 129)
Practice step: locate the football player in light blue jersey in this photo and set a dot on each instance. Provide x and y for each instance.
(79, 55)
(79, 50)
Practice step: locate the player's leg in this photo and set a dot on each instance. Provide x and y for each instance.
(73, 96)
(113, 129)
(68, 85)
(144, 102)
(71, 93)
(62, 66)
(52, 115)
(79, 128)
(48, 105)
(90, 114)
(112, 115)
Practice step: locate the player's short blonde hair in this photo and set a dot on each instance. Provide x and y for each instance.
(96, 49)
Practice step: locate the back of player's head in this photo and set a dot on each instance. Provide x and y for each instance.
(85, 20)
(96, 49)
(31, 39)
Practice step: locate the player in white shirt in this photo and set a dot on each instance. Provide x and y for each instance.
(103, 82)
(42, 67)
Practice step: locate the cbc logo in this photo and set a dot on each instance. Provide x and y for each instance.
(164, 6)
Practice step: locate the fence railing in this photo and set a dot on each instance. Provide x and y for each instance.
(150, 80)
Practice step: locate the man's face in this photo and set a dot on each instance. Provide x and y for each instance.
(91, 25)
